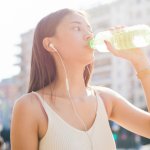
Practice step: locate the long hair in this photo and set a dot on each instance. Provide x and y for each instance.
(43, 67)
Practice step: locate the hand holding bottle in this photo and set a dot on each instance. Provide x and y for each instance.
(135, 55)
(122, 38)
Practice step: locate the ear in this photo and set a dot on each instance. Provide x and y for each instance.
(46, 42)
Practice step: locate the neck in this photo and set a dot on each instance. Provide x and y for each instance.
(77, 87)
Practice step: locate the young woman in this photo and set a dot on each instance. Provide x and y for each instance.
(61, 111)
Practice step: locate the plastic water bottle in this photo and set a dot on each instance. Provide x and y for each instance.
(121, 39)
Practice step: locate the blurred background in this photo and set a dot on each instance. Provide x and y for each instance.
(17, 24)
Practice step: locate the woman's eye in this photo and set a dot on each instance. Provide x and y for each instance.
(76, 28)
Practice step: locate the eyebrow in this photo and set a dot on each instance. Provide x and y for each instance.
(78, 22)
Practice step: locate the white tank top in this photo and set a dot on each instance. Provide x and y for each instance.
(60, 135)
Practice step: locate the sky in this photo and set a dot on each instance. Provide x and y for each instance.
(18, 17)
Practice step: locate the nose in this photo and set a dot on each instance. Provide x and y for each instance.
(89, 35)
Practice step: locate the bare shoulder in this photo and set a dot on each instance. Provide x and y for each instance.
(25, 110)
(24, 99)
(107, 93)
(25, 103)
(24, 117)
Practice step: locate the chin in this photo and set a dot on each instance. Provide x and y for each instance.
(89, 49)
(91, 60)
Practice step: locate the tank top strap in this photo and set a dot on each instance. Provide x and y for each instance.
(100, 103)
(41, 103)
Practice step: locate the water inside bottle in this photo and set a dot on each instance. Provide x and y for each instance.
(126, 38)
(130, 39)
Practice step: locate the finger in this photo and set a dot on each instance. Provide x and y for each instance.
(117, 28)
(120, 26)
(110, 47)
(111, 28)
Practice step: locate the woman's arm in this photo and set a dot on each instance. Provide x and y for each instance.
(24, 129)
(139, 60)
(120, 110)
(145, 79)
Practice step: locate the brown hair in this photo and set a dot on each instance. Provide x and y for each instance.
(43, 67)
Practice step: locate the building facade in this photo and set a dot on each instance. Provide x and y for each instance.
(109, 71)
(112, 71)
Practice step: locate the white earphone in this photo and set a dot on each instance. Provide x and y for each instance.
(52, 46)
(68, 88)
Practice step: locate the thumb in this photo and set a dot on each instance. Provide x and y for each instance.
(110, 47)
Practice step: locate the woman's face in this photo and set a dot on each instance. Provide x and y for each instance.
(71, 39)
